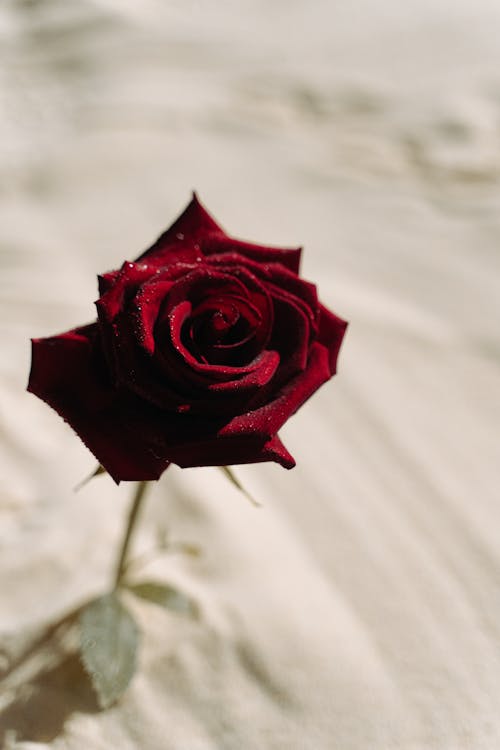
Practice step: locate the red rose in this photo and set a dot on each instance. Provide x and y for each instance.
(203, 348)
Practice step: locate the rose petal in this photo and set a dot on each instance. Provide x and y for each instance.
(290, 337)
(274, 450)
(120, 287)
(106, 281)
(288, 257)
(217, 451)
(182, 240)
(272, 276)
(304, 293)
(69, 374)
(146, 307)
(331, 333)
(267, 420)
(196, 230)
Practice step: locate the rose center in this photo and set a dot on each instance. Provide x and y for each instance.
(218, 332)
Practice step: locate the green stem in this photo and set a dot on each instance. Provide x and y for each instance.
(132, 519)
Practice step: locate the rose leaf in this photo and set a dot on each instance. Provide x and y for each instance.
(165, 596)
(109, 638)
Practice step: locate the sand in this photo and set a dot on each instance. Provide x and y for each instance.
(359, 608)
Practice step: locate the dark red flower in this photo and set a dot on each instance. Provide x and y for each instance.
(203, 348)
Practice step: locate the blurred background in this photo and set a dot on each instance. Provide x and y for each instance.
(364, 598)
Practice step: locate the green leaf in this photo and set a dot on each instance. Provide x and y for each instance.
(165, 596)
(228, 472)
(109, 638)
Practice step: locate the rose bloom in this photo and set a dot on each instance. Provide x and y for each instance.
(202, 349)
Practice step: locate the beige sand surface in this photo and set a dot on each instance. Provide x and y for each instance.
(359, 609)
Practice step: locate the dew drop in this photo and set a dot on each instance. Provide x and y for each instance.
(179, 236)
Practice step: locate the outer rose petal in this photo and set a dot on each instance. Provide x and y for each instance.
(252, 437)
(243, 449)
(182, 240)
(331, 333)
(195, 232)
(288, 257)
(267, 420)
(67, 373)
